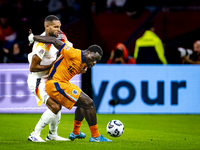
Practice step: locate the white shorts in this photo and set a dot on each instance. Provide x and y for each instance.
(37, 87)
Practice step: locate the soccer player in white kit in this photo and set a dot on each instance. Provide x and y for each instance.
(41, 59)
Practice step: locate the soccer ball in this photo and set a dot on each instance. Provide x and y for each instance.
(115, 128)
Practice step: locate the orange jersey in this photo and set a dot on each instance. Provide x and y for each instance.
(68, 65)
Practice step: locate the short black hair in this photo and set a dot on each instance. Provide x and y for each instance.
(96, 48)
(50, 18)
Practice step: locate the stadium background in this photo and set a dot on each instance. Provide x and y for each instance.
(91, 22)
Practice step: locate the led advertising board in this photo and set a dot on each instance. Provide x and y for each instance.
(144, 89)
(15, 96)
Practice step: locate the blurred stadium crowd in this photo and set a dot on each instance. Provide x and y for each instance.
(104, 22)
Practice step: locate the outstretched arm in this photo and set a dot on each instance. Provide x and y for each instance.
(45, 39)
(48, 39)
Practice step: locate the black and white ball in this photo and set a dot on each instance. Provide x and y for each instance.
(115, 128)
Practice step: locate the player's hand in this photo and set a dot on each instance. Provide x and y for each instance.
(30, 37)
(83, 70)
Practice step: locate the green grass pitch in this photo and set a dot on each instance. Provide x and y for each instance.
(142, 132)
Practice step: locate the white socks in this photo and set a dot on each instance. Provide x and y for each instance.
(47, 117)
(53, 126)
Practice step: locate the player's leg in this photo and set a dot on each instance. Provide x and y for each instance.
(50, 116)
(34, 86)
(55, 95)
(47, 117)
(86, 106)
(79, 116)
(68, 94)
(53, 126)
(55, 107)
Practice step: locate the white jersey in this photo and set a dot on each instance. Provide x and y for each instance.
(48, 54)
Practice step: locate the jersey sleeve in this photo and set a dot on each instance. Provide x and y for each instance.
(67, 51)
(40, 49)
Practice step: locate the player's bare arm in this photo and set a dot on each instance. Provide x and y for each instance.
(52, 40)
(57, 43)
(35, 65)
(48, 39)
(44, 39)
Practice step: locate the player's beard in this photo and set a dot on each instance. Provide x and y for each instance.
(52, 33)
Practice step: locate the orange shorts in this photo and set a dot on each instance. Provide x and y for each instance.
(65, 93)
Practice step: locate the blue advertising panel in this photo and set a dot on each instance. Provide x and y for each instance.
(15, 96)
(143, 89)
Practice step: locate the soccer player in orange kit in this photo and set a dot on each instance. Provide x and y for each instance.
(62, 92)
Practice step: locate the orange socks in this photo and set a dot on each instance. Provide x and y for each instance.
(94, 131)
(77, 125)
